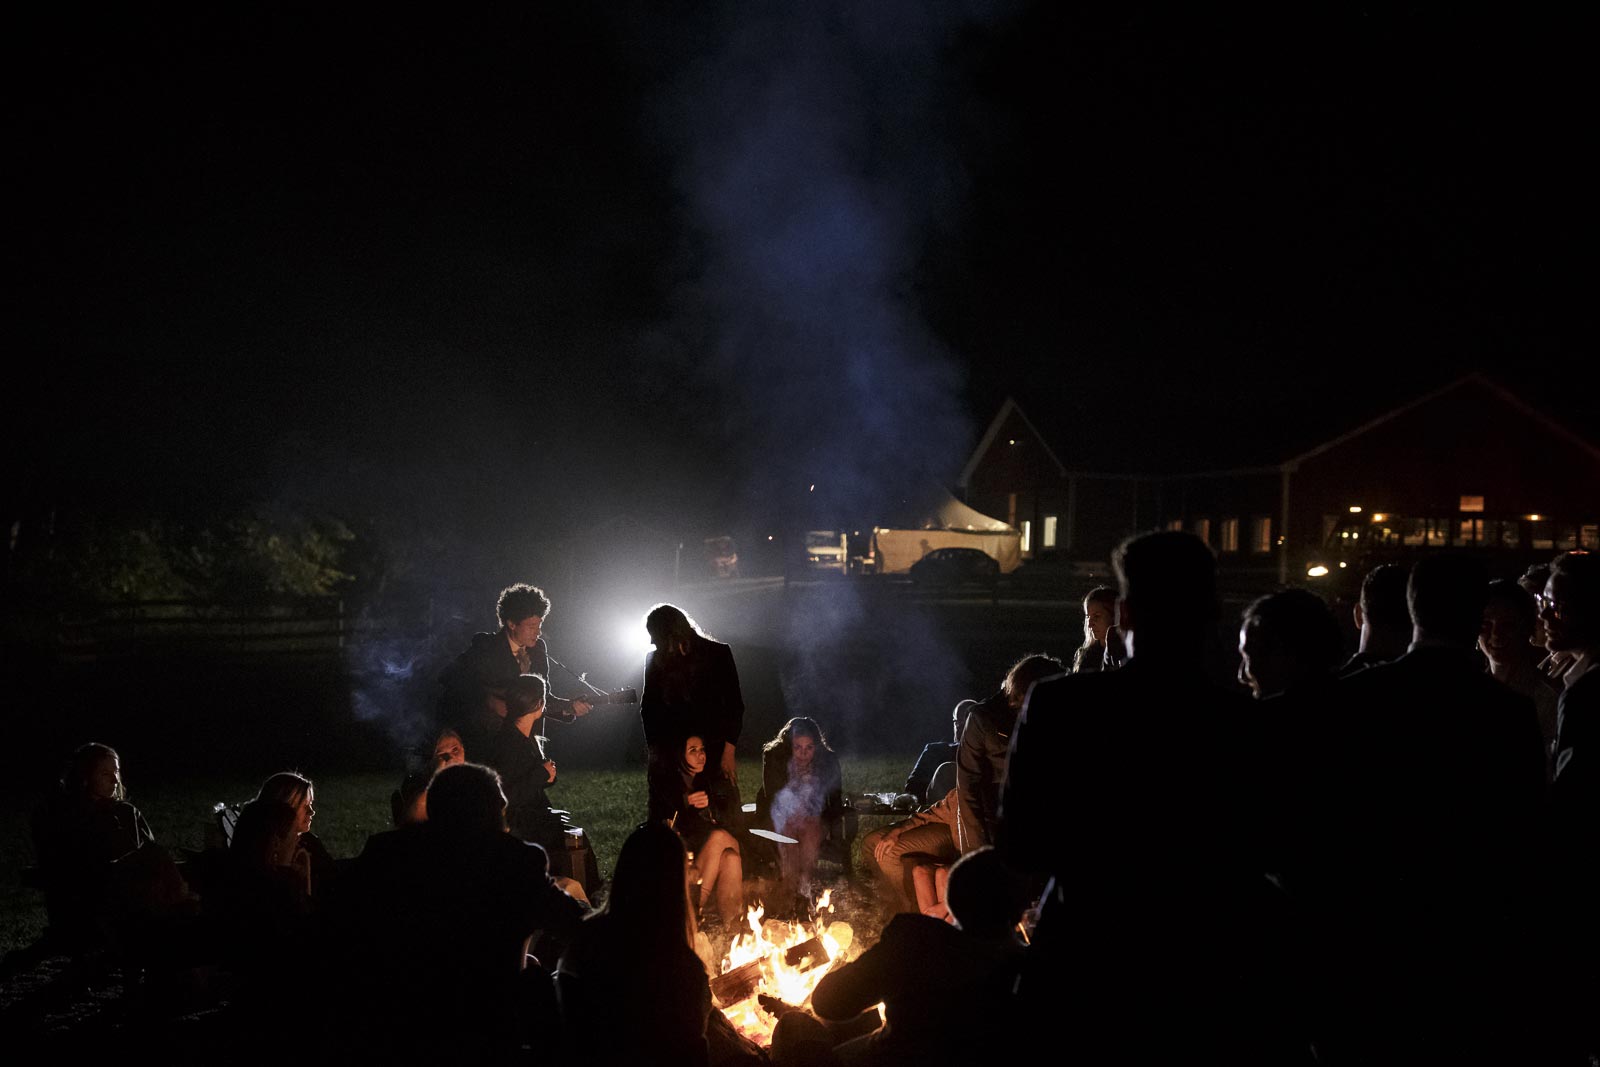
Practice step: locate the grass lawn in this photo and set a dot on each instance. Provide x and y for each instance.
(607, 804)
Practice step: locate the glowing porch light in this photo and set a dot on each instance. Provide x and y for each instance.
(1316, 572)
(1379, 517)
(1355, 509)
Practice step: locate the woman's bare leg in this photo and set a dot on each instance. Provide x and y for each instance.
(722, 874)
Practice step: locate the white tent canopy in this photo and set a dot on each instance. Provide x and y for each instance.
(948, 524)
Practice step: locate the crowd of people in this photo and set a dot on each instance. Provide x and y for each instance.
(1385, 857)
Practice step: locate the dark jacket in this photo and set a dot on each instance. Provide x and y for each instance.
(1576, 791)
(775, 775)
(694, 825)
(488, 664)
(980, 768)
(1157, 909)
(1414, 858)
(691, 695)
(934, 755)
(943, 991)
(643, 999)
(437, 927)
(520, 761)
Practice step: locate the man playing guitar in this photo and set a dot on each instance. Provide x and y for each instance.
(473, 684)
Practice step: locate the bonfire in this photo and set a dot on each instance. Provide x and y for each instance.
(778, 961)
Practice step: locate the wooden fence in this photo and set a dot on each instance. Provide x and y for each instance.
(310, 628)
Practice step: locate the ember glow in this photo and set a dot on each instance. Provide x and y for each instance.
(765, 951)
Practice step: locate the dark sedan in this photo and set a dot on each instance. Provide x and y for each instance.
(954, 566)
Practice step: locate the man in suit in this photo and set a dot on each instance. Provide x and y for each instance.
(1415, 838)
(1570, 608)
(1132, 791)
(1128, 791)
(493, 660)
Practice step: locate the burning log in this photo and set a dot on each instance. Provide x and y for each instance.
(807, 954)
(775, 1007)
(737, 984)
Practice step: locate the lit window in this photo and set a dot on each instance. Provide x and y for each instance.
(1027, 535)
(1175, 525)
(1202, 530)
(1050, 531)
(1589, 537)
(1471, 503)
(1230, 535)
(1261, 534)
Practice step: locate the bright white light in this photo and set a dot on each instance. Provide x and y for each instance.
(633, 637)
(1316, 572)
(1343, 564)
(1355, 509)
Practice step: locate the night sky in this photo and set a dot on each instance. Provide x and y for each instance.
(679, 261)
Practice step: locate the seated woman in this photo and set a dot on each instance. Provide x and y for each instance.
(77, 835)
(702, 810)
(802, 795)
(631, 973)
(297, 793)
(261, 903)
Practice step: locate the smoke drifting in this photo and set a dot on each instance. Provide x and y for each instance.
(808, 146)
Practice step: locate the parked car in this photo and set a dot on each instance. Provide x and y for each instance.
(955, 566)
(825, 550)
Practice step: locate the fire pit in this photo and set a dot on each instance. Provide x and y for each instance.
(782, 961)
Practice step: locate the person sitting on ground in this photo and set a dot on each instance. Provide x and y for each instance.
(1382, 619)
(938, 760)
(631, 973)
(909, 854)
(77, 835)
(1287, 640)
(260, 907)
(407, 803)
(703, 812)
(296, 790)
(448, 749)
(802, 796)
(981, 763)
(455, 905)
(1102, 645)
(934, 979)
(1508, 625)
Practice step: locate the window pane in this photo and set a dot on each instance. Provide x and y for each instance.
(1027, 536)
(1050, 531)
(1261, 535)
